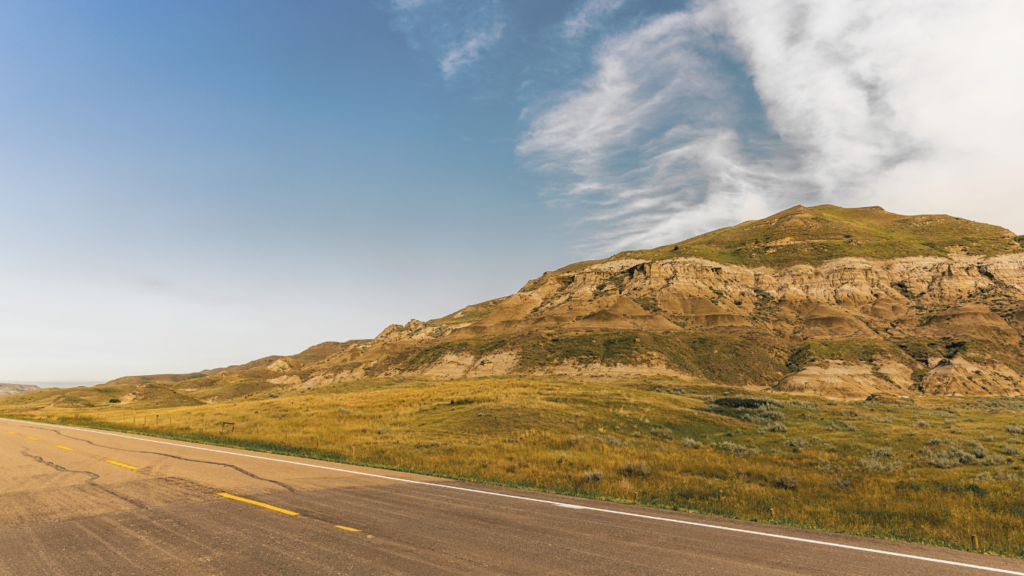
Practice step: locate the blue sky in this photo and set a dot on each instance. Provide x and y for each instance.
(194, 184)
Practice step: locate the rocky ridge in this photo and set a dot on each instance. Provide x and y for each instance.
(799, 303)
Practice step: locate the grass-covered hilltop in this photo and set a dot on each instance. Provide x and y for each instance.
(845, 369)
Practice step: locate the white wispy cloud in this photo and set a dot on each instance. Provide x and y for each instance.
(913, 105)
(456, 32)
(649, 141)
(588, 15)
(469, 50)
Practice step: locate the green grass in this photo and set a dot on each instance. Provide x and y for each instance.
(738, 359)
(859, 468)
(818, 352)
(467, 314)
(823, 233)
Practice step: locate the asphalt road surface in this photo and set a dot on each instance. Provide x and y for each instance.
(81, 502)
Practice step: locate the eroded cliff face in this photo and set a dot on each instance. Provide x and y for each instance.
(847, 329)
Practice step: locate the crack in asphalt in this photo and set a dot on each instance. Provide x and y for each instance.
(232, 466)
(92, 479)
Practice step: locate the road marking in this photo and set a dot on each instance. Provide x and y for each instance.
(349, 529)
(551, 502)
(64, 447)
(122, 465)
(9, 432)
(31, 438)
(267, 506)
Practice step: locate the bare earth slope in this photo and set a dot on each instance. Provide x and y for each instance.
(842, 303)
(9, 389)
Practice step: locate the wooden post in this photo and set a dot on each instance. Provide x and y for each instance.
(773, 513)
(974, 541)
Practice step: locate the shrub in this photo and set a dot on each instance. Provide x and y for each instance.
(613, 441)
(734, 402)
(943, 462)
(737, 449)
(574, 440)
(922, 424)
(773, 427)
(636, 469)
(786, 483)
(840, 483)
(827, 465)
(797, 442)
(970, 452)
(879, 466)
(661, 433)
(766, 412)
(799, 404)
(974, 448)
(1011, 451)
(691, 443)
(1014, 429)
(344, 411)
(992, 460)
(882, 453)
(592, 476)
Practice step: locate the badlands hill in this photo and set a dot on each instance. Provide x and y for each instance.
(828, 301)
(9, 389)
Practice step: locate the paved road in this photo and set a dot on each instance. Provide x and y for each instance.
(82, 502)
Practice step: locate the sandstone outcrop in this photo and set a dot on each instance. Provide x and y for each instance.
(841, 303)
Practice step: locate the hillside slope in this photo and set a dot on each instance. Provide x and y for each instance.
(10, 389)
(842, 303)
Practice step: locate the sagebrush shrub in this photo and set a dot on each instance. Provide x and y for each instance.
(786, 483)
(636, 469)
(691, 443)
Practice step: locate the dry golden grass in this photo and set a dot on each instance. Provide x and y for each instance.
(912, 473)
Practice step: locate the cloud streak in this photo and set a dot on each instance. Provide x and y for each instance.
(456, 33)
(469, 50)
(730, 110)
(588, 15)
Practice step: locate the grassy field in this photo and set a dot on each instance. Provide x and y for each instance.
(940, 471)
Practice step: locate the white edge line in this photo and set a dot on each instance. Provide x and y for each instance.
(552, 502)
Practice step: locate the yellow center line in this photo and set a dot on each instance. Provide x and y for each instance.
(64, 447)
(349, 529)
(267, 506)
(9, 432)
(123, 465)
(31, 438)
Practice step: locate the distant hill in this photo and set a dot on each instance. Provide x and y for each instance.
(9, 389)
(828, 301)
